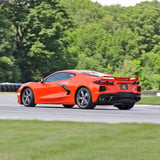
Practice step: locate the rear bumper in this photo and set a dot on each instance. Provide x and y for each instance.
(118, 98)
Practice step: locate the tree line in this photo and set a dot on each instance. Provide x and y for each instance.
(38, 37)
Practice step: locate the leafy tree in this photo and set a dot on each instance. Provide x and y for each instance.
(151, 69)
(45, 42)
(39, 37)
(84, 11)
(8, 70)
(40, 28)
(144, 20)
(88, 46)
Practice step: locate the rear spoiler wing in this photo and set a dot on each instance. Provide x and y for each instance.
(112, 78)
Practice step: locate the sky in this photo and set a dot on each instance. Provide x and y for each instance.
(120, 2)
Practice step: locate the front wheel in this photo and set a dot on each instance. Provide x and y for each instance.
(84, 99)
(125, 106)
(28, 98)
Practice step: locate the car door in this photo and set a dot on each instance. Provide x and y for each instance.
(53, 90)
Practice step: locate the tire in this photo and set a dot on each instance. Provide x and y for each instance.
(68, 106)
(125, 106)
(84, 99)
(28, 98)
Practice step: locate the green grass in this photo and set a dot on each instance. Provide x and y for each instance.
(38, 140)
(153, 100)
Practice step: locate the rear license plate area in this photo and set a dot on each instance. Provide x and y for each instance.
(124, 86)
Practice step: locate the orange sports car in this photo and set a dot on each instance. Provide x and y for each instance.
(83, 88)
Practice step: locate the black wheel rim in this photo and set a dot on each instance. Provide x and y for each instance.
(27, 96)
(83, 98)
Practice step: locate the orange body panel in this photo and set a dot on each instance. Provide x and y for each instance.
(64, 91)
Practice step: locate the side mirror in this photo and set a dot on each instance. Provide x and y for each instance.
(41, 80)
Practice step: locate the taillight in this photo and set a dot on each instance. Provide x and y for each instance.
(101, 82)
(136, 83)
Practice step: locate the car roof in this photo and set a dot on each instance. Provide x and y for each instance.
(79, 71)
(87, 72)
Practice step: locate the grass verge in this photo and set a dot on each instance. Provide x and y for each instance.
(39, 140)
(153, 100)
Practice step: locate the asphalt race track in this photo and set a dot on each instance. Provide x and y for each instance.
(10, 109)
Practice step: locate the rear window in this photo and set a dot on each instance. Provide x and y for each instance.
(95, 74)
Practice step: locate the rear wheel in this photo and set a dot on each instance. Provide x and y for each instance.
(68, 106)
(125, 106)
(28, 98)
(84, 99)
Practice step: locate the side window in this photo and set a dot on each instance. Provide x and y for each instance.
(71, 75)
(59, 76)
